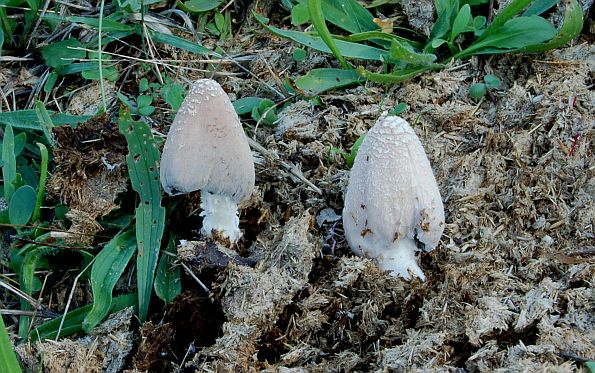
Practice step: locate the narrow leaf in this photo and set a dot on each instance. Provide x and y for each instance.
(28, 119)
(45, 122)
(396, 76)
(106, 271)
(349, 50)
(8, 359)
(143, 160)
(167, 282)
(73, 323)
(181, 43)
(317, 19)
(9, 167)
(35, 253)
(504, 16)
(540, 7)
(43, 176)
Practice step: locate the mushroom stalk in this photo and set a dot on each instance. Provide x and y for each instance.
(206, 149)
(220, 215)
(392, 204)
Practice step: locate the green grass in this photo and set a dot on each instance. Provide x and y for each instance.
(456, 34)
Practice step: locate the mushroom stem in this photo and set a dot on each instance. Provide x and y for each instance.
(220, 216)
(400, 260)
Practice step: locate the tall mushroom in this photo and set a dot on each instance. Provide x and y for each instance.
(206, 149)
(392, 204)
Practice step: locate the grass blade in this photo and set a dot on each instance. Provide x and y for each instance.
(107, 269)
(396, 76)
(317, 19)
(45, 122)
(9, 168)
(181, 43)
(348, 49)
(73, 323)
(143, 161)
(167, 282)
(8, 359)
(28, 119)
(43, 176)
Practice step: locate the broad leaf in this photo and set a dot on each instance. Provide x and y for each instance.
(571, 28)
(461, 22)
(61, 53)
(245, 104)
(317, 81)
(21, 205)
(515, 34)
(405, 55)
(106, 271)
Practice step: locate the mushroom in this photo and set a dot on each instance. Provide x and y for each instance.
(206, 149)
(392, 204)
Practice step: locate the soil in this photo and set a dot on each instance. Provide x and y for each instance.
(509, 289)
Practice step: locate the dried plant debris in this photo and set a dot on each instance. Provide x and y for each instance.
(511, 287)
(253, 298)
(105, 349)
(90, 172)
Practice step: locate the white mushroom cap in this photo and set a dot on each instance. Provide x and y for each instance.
(393, 201)
(206, 148)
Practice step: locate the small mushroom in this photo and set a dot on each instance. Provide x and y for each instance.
(393, 205)
(206, 149)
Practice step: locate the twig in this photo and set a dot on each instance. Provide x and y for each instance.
(21, 294)
(287, 166)
(189, 271)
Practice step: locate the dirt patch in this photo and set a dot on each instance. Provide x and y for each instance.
(510, 287)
